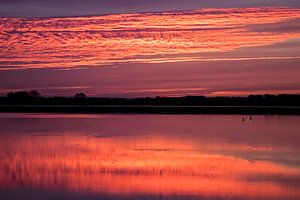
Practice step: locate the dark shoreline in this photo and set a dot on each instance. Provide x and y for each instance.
(148, 109)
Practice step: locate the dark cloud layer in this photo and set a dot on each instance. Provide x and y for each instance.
(30, 8)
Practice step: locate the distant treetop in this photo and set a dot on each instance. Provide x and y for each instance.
(35, 98)
(24, 94)
(79, 96)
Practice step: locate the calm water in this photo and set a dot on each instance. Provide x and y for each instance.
(48, 156)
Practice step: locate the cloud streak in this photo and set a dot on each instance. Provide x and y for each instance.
(46, 8)
(73, 42)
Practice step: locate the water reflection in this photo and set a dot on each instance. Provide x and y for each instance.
(142, 156)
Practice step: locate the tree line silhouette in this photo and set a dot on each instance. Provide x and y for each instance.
(35, 98)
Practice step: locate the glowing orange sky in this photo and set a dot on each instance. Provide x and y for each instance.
(146, 38)
(240, 35)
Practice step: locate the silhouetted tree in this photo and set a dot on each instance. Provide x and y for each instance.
(34, 98)
(35, 94)
(79, 96)
(18, 95)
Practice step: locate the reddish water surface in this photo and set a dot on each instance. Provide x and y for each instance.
(49, 156)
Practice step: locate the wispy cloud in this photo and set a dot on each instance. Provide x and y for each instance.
(138, 38)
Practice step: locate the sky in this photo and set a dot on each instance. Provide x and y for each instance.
(150, 48)
(44, 8)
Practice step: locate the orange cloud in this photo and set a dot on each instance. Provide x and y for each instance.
(131, 38)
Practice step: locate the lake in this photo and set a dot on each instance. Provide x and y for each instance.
(115, 156)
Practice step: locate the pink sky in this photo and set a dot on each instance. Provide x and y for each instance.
(201, 52)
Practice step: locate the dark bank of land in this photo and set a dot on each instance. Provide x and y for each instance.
(254, 104)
